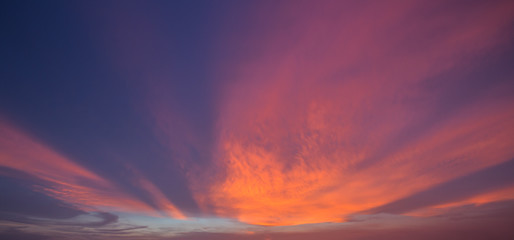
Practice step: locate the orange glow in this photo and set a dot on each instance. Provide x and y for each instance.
(314, 133)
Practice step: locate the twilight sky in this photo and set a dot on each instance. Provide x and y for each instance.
(257, 120)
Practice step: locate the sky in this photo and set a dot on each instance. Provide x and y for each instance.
(257, 120)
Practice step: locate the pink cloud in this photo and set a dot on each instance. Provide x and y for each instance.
(71, 182)
(329, 110)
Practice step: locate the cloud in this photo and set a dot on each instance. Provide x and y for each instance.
(350, 107)
(20, 198)
(485, 180)
(64, 180)
(260, 120)
(105, 219)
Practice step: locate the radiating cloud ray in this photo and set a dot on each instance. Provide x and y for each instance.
(483, 181)
(69, 182)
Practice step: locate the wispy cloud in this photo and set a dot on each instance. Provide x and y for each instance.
(65, 180)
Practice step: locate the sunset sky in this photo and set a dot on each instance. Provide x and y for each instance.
(257, 120)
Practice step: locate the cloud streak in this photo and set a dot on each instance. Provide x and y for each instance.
(483, 181)
(66, 180)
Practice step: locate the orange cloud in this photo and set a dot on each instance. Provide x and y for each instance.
(494, 196)
(346, 117)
